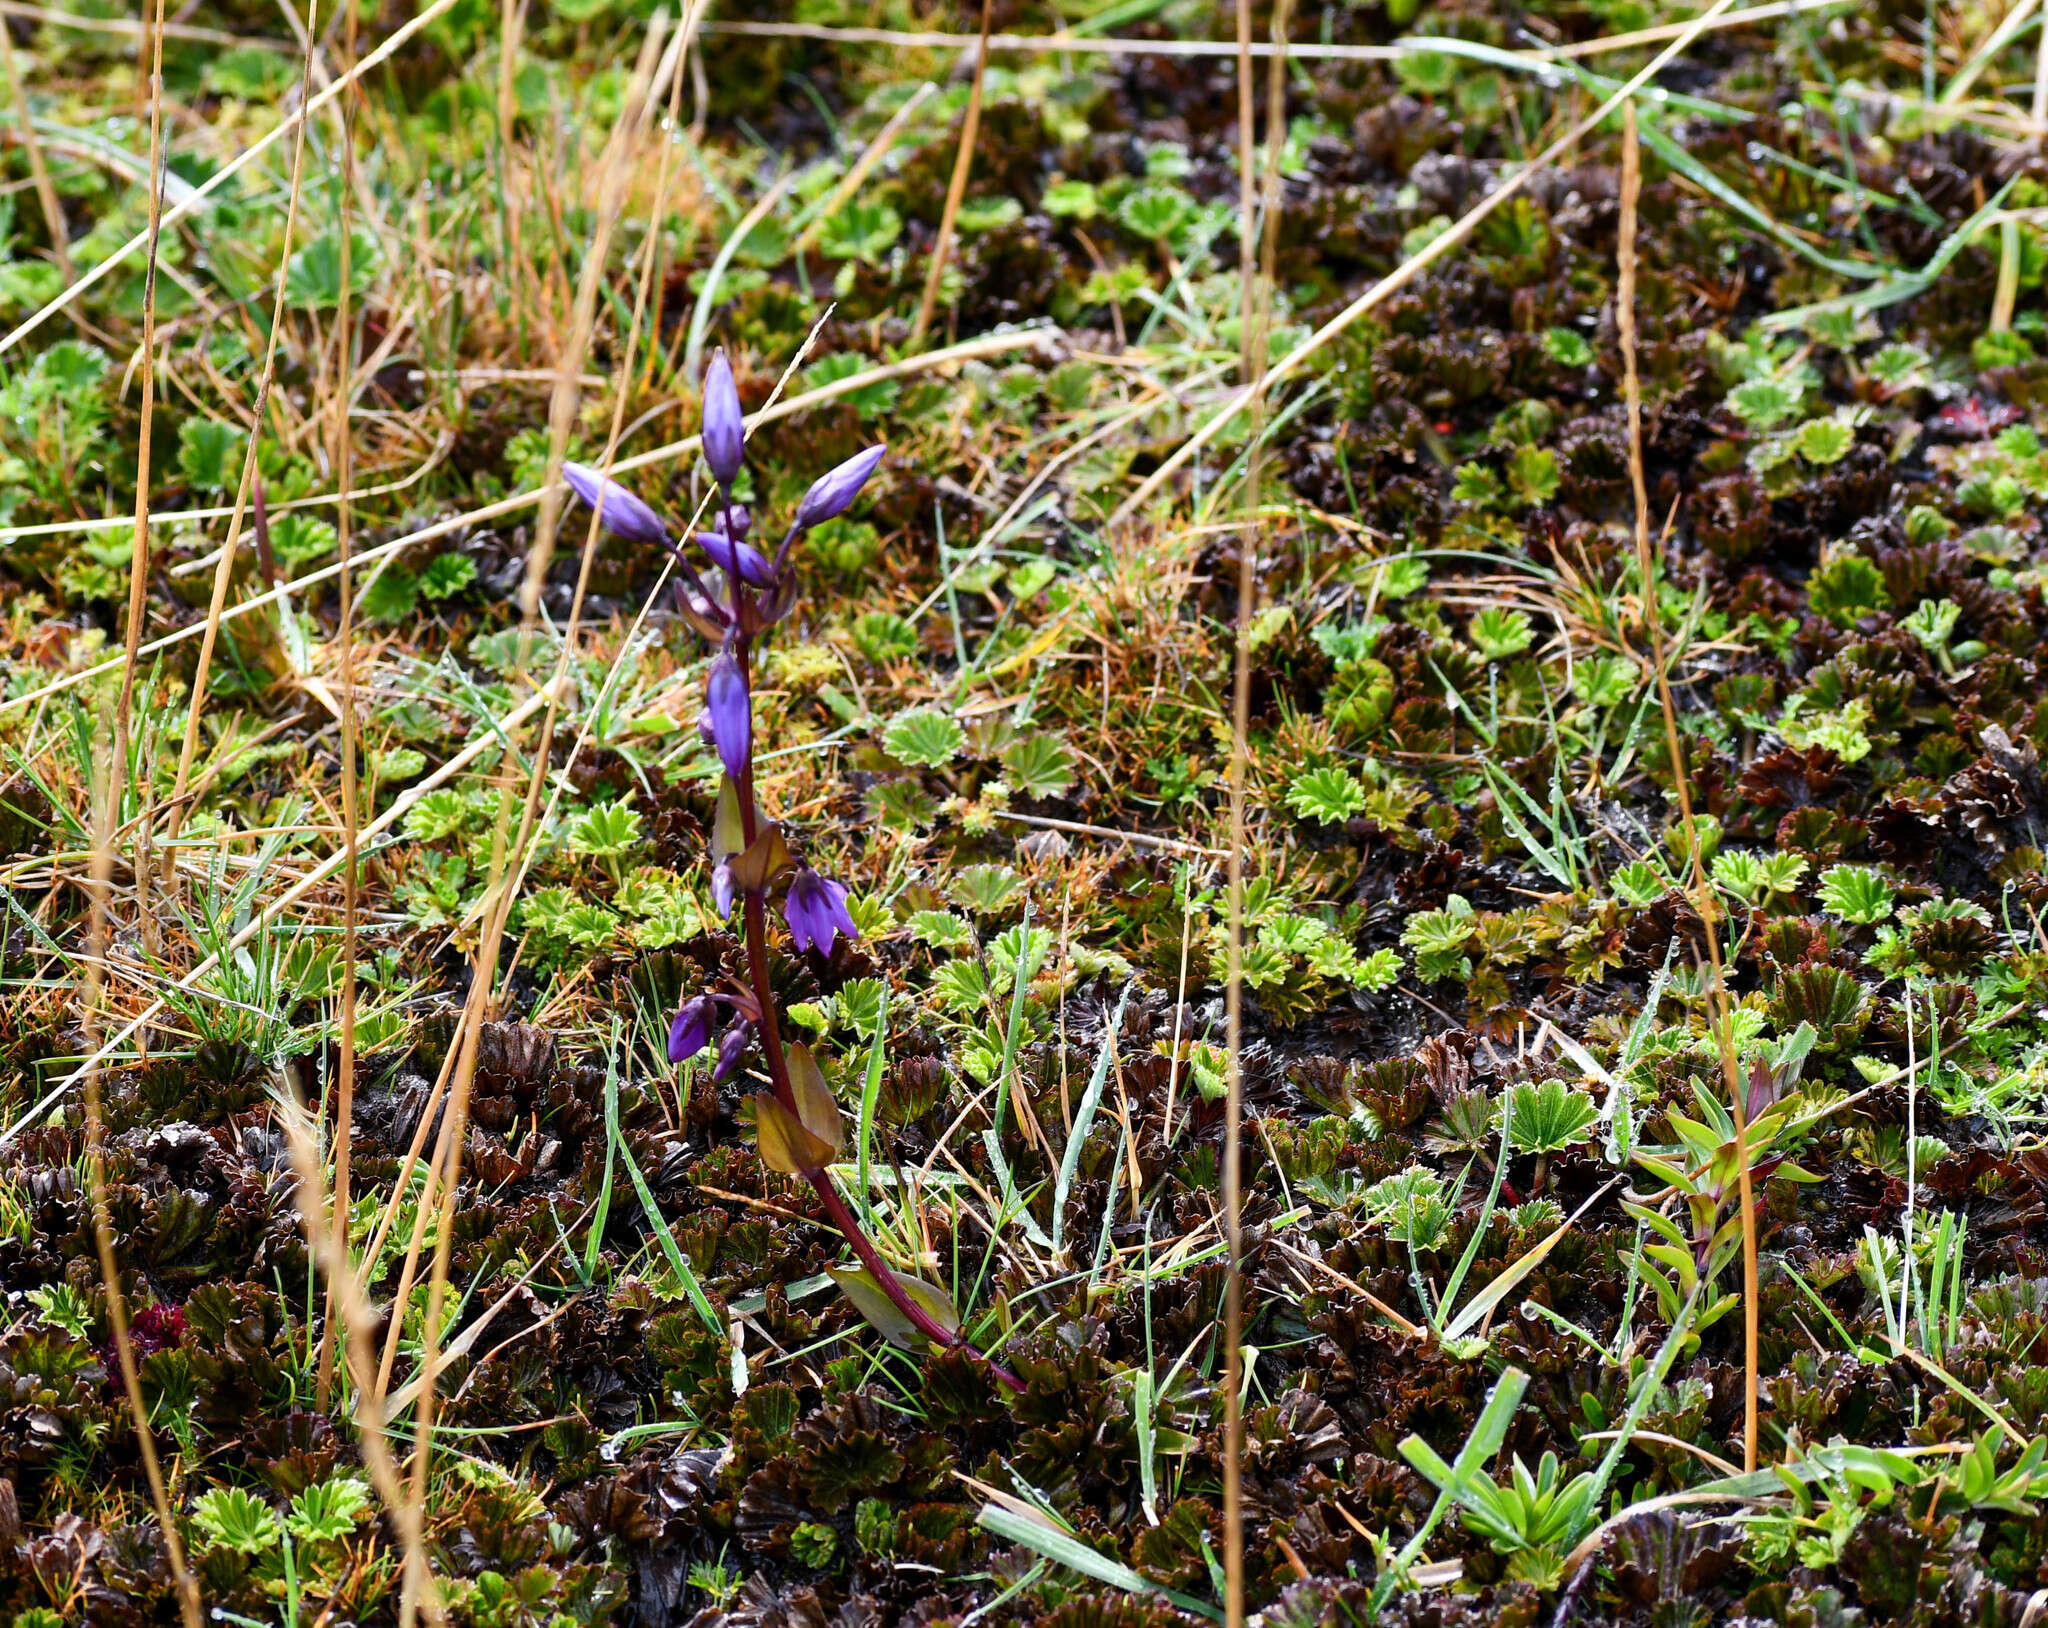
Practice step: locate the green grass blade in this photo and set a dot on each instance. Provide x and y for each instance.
(870, 1095)
(1084, 1118)
(1064, 1549)
(1736, 204)
(1489, 1431)
(1900, 286)
(681, 1266)
(1501, 1287)
(1500, 1169)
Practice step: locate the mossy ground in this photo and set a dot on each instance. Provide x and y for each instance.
(1002, 714)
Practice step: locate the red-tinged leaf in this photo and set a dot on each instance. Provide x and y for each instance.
(767, 859)
(1973, 418)
(872, 1301)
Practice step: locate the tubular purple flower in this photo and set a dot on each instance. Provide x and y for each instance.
(731, 711)
(743, 560)
(816, 912)
(691, 1031)
(622, 514)
(723, 889)
(732, 1050)
(833, 492)
(725, 427)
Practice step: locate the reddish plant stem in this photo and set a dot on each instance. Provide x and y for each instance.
(755, 906)
(754, 910)
(879, 1270)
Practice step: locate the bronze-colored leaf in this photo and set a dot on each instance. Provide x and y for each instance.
(785, 1144)
(814, 1101)
(767, 859)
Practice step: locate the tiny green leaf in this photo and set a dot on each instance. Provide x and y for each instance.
(1327, 796)
(924, 737)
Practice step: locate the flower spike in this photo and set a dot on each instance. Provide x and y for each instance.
(743, 560)
(731, 712)
(620, 512)
(816, 912)
(725, 427)
(833, 492)
(691, 1031)
(797, 1123)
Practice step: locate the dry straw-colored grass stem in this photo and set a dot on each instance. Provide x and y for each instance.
(1061, 43)
(152, 62)
(341, 458)
(956, 188)
(224, 564)
(110, 767)
(612, 176)
(358, 1317)
(100, 891)
(864, 166)
(1255, 279)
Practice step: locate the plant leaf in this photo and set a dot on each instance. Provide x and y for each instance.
(1064, 1549)
(1084, 1117)
(872, 1301)
(767, 859)
(815, 1105)
(784, 1142)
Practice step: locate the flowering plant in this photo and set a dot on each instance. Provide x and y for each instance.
(739, 594)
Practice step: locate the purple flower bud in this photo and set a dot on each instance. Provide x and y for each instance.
(731, 711)
(623, 514)
(725, 428)
(743, 560)
(816, 912)
(723, 889)
(732, 1050)
(833, 492)
(691, 1031)
(738, 522)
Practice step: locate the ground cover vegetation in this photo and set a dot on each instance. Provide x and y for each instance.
(1100, 834)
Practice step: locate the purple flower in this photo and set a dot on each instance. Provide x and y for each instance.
(816, 912)
(743, 560)
(833, 492)
(623, 514)
(725, 428)
(691, 1031)
(732, 1050)
(731, 711)
(723, 889)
